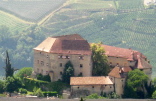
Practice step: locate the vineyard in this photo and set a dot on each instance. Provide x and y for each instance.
(31, 10)
(122, 23)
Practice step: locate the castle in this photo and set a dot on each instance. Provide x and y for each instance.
(54, 52)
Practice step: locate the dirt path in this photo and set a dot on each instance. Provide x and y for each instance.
(51, 14)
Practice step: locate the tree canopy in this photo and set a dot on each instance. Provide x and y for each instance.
(9, 70)
(26, 71)
(100, 65)
(135, 84)
(68, 72)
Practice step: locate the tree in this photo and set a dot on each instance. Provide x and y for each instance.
(9, 71)
(154, 95)
(135, 84)
(1, 86)
(68, 72)
(26, 71)
(11, 84)
(100, 66)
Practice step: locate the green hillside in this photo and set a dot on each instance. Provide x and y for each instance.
(122, 23)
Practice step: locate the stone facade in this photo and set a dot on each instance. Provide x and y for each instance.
(53, 53)
(51, 61)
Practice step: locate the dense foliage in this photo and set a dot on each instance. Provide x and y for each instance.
(135, 84)
(12, 84)
(9, 70)
(1, 86)
(94, 96)
(43, 77)
(68, 72)
(99, 59)
(24, 72)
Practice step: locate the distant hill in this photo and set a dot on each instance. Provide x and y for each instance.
(121, 23)
(31, 10)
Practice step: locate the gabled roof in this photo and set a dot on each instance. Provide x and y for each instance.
(67, 44)
(100, 80)
(142, 64)
(129, 54)
(118, 71)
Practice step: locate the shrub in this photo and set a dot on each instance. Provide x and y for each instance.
(49, 93)
(22, 91)
(43, 77)
(38, 92)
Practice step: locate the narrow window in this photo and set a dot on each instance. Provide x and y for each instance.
(92, 86)
(80, 57)
(60, 64)
(40, 53)
(81, 65)
(110, 86)
(60, 73)
(47, 56)
(78, 87)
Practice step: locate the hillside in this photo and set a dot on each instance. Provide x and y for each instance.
(126, 24)
(31, 10)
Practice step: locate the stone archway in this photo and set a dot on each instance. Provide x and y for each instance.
(51, 74)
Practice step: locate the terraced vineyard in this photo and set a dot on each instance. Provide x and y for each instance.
(122, 23)
(32, 10)
(13, 22)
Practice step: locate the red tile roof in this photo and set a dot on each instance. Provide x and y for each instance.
(118, 72)
(129, 54)
(100, 80)
(142, 63)
(67, 44)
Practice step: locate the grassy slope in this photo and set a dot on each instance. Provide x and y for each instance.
(13, 22)
(122, 23)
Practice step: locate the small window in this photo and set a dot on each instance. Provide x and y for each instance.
(60, 64)
(110, 86)
(47, 56)
(105, 85)
(60, 73)
(67, 57)
(81, 65)
(80, 57)
(42, 63)
(60, 56)
(78, 87)
(117, 57)
(40, 53)
(92, 86)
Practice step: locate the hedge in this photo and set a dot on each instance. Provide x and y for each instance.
(50, 93)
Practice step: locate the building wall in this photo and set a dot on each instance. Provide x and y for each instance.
(93, 89)
(119, 84)
(118, 61)
(54, 63)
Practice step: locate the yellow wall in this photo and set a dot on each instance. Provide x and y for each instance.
(52, 63)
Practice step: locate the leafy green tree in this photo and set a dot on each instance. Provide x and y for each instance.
(154, 95)
(100, 66)
(68, 72)
(43, 77)
(12, 84)
(38, 92)
(9, 70)
(26, 71)
(1, 86)
(135, 85)
(82, 99)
